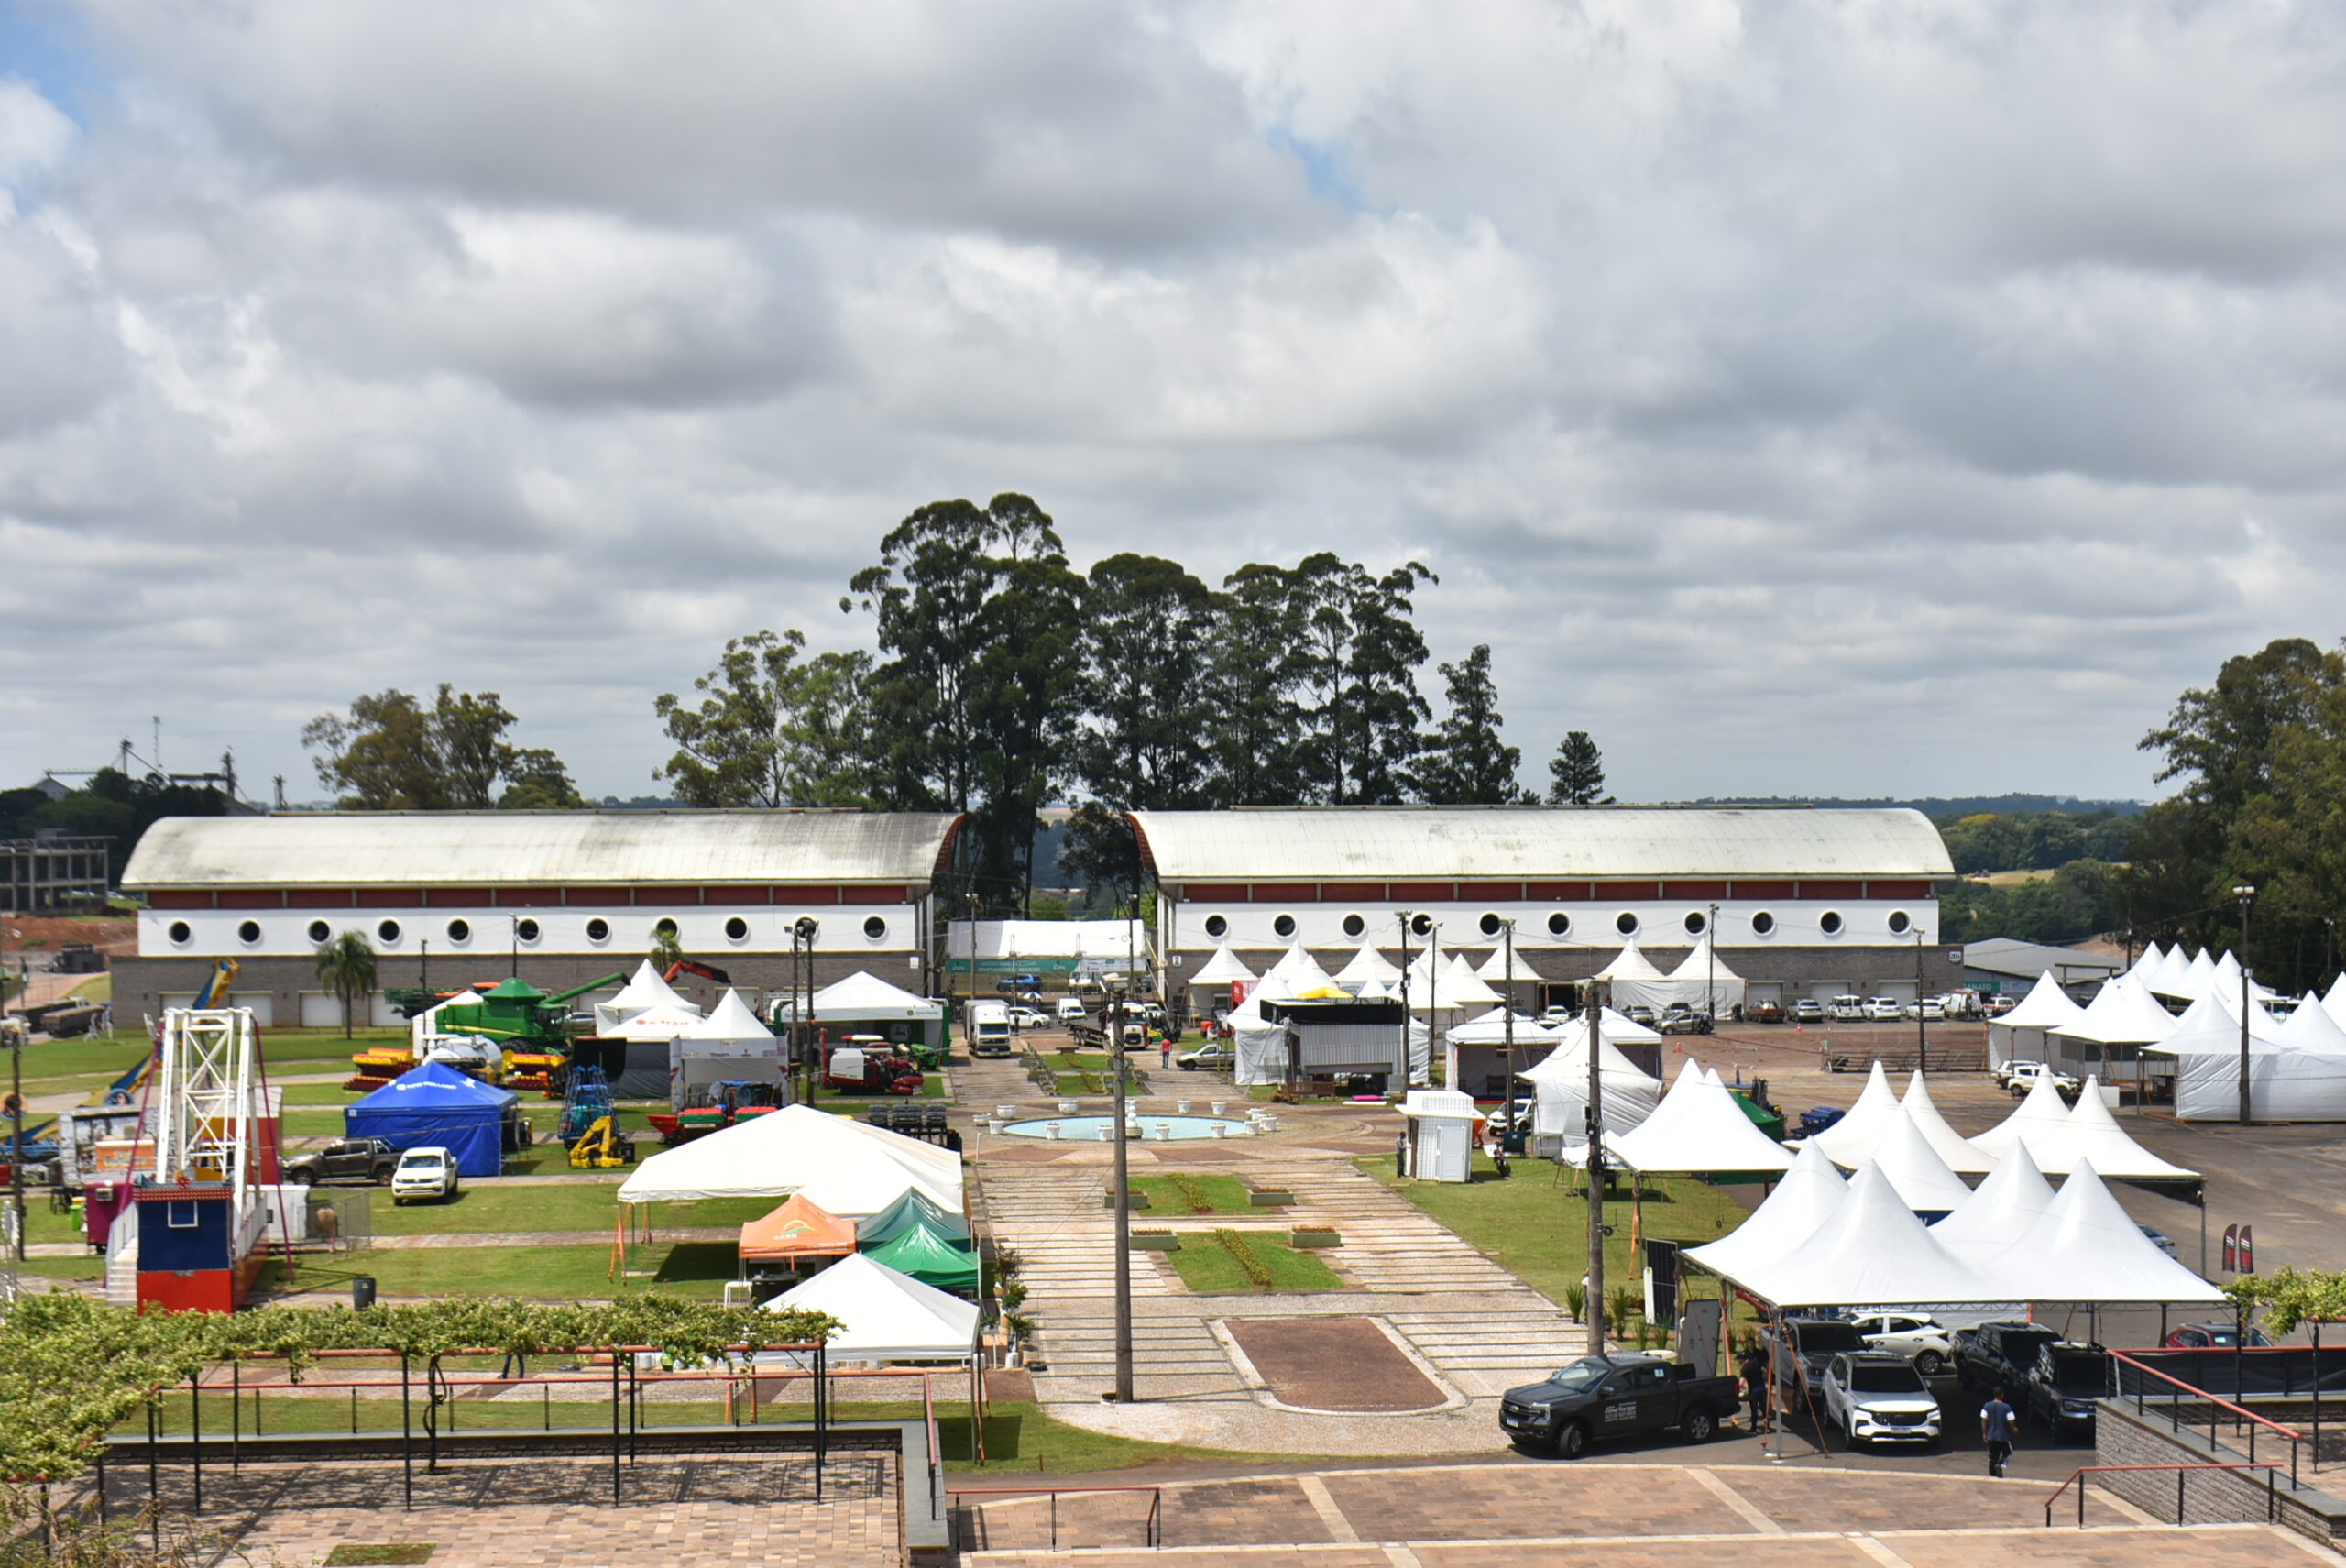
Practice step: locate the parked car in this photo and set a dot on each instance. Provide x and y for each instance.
(1638, 1012)
(1876, 1397)
(1930, 1010)
(1557, 1016)
(1918, 1339)
(1884, 1010)
(1848, 1010)
(1808, 1010)
(1602, 1397)
(1503, 1116)
(2064, 1387)
(1071, 1010)
(1019, 987)
(1681, 1019)
(1809, 1344)
(2214, 1336)
(427, 1172)
(1999, 1355)
(1024, 1018)
(2165, 1243)
(1215, 1056)
(1763, 1013)
(369, 1161)
(2020, 1077)
(1997, 1006)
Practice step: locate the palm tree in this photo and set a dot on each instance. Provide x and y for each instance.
(345, 966)
(667, 951)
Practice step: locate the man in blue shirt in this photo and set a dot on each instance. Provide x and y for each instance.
(1996, 1427)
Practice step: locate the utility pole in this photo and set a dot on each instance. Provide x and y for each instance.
(2246, 895)
(1594, 1006)
(1922, 1035)
(1404, 1000)
(1711, 971)
(1507, 1090)
(1124, 1204)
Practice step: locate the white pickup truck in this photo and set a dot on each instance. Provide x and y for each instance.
(2020, 1077)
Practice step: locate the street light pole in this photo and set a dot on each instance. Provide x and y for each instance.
(2246, 895)
(1593, 1005)
(1123, 1207)
(1921, 1033)
(1405, 999)
(1507, 1090)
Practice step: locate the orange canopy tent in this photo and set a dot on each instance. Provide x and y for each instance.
(799, 1229)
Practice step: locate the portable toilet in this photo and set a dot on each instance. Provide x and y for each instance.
(1441, 1133)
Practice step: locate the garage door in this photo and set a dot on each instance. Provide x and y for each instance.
(1825, 991)
(382, 1015)
(263, 1004)
(321, 1010)
(1902, 992)
(1758, 992)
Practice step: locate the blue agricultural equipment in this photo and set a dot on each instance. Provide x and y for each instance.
(586, 1099)
(1816, 1118)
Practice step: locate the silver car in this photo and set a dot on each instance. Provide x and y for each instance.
(1874, 1396)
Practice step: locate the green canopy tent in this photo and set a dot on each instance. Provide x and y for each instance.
(914, 1208)
(936, 1259)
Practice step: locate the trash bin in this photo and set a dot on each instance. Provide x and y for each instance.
(362, 1292)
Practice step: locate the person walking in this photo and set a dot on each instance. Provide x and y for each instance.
(1165, 1051)
(1754, 1368)
(1996, 1430)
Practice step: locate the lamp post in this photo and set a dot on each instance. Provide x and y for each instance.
(1593, 1005)
(1921, 1033)
(1507, 1015)
(1124, 1191)
(1711, 971)
(1403, 914)
(2246, 895)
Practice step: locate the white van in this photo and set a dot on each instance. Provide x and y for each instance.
(989, 1028)
(1071, 1010)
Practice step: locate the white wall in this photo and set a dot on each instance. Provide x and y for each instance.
(1866, 923)
(627, 933)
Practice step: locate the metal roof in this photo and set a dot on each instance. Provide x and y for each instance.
(2007, 955)
(346, 849)
(1332, 844)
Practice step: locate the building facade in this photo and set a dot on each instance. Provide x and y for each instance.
(448, 898)
(1799, 902)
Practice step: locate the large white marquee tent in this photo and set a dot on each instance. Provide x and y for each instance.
(848, 1168)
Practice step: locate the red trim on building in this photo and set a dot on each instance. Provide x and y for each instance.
(1352, 892)
(529, 898)
(666, 897)
(251, 898)
(1215, 893)
(1490, 892)
(1421, 892)
(1742, 889)
(597, 898)
(388, 897)
(853, 894)
(737, 896)
(810, 894)
(1284, 891)
(319, 898)
(1898, 890)
(1606, 891)
(458, 898)
(1831, 889)
(1556, 892)
(175, 899)
(1699, 891)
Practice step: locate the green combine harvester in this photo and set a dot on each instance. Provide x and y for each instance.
(530, 1026)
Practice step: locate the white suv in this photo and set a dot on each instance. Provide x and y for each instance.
(1884, 1010)
(424, 1173)
(1877, 1398)
(1919, 1339)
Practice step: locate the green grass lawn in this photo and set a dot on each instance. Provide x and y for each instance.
(88, 1266)
(580, 1207)
(695, 1270)
(1183, 1192)
(1210, 1263)
(1538, 1229)
(1020, 1439)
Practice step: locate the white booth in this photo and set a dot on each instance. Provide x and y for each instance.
(1441, 1133)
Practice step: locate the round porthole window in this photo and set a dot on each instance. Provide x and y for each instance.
(1830, 924)
(1763, 923)
(388, 931)
(1696, 921)
(1899, 922)
(1284, 926)
(664, 927)
(736, 928)
(248, 932)
(180, 932)
(874, 928)
(598, 929)
(320, 930)
(1490, 924)
(1626, 923)
(1560, 924)
(1217, 928)
(1422, 924)
(1354, 926)
(460, 930)
(527, 930)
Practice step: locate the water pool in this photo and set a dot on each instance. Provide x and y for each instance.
(1092, 1129)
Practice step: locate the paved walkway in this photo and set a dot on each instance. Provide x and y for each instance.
(1622, 1515)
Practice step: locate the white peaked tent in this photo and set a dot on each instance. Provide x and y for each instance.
(2147, 964)
(1848, 1140)
(2198, 977)
(846, 1167)
(1870, 1250)
(2228, 975)
(1962, 1156)
(1704, 980)
(1904, 1156)
(2310, 1028)
(1493, 969)
(1559, 1087)
(1368, 965)
(1698, 1127)
(731, 1046)
(643, 991)
(2092, 1138)
(1634, 981)
(423, 1023)
(2039, 1118)
(1222, 969)
(1300, 971)
(2121, 1014)
(885, 1315)
(2334, 1000)
(663, 1023)
(2018, 1035)
(1487, 1028)
(2002, 1208)
(2085, 1248)
(1461, 988)
(1373, 990)
(1811, 1191)
(1620, 1026)
(2287, 1082)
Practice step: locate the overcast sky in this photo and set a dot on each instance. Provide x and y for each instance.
(1854, 398)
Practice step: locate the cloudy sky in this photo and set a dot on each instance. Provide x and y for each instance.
(1902, 398)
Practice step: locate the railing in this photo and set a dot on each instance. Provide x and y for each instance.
(2182, 1471)
(2241, 1415)
(1153, 1527)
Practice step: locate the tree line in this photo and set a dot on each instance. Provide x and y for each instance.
(1000, 679)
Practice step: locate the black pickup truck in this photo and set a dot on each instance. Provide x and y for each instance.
(1602, 1397)
(2065, 1387)
(358, 1160)
(1999, 1355)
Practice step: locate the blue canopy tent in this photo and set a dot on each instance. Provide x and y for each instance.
(434, 1105)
